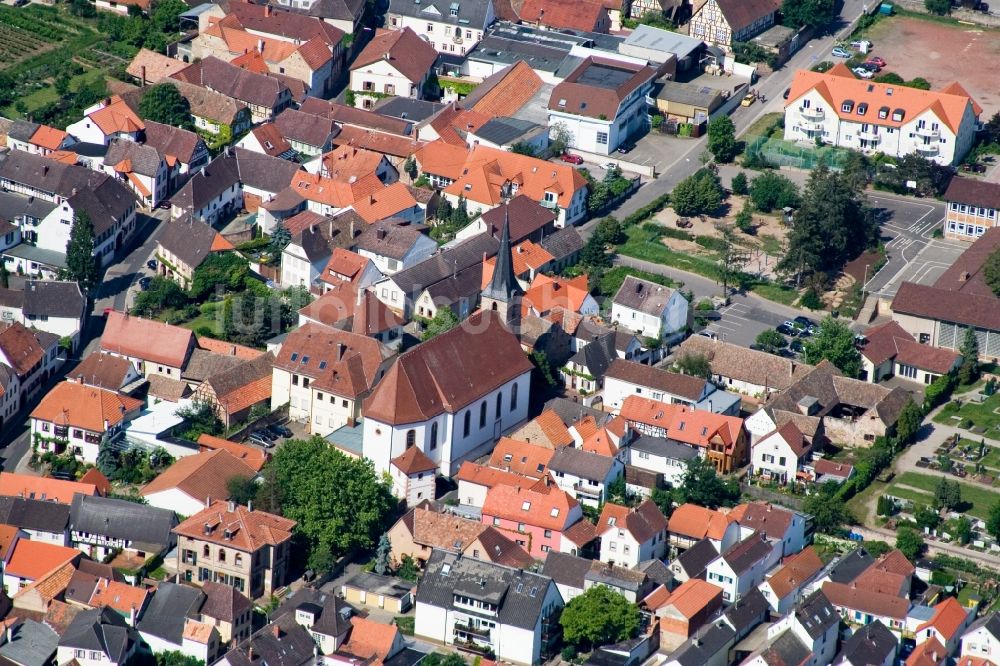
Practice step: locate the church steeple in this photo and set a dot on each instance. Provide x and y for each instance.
(503, 293)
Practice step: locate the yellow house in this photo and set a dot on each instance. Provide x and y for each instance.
(375, 591)
(688, 102)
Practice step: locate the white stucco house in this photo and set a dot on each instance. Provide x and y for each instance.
(395, 63)
(649, 309)
(630, 536)
(780, 454)
(742, 567)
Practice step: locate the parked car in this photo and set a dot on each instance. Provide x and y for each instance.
(839, 52)
(165, 204)
(279, 431)
(870, 66)
(260, 441)
(611, 166)
(571, 158)
(861, 45)
(863, 73)
(625, 147)
(144, 282)
(796, 346)
(877, 61)
(152, 265)
(709, 334)
(984, 8)
(785, 94)
(787, 329)
(263, 434)
(805, 321)
(748, 100)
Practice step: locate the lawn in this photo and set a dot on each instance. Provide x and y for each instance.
(48, 94)
(208, 318)
(644, 243)
(614, 277)
(984, 414)
(980, 498)
(763, 125)
(776, 292)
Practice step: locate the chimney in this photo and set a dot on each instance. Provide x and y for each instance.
(232, 506)
(964, 277)
(143, 76)
(260, 45)
(131, 616)
(250, 653)
(352, 230)
(331, 229)
(276, 630)
(250, 506)
(341, 348)
(386, 56)
(267, 10)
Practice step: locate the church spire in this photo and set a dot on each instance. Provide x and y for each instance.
(503, 293)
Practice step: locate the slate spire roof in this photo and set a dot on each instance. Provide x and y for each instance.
(504, 284)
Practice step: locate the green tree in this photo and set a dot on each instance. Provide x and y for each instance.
(991, 272)
(177, 658)
(410, 168)
(339, 502)
(523, 148)
(699, 193)
(609, 230)
(559, 138)
(226, 269)
(350, 98)
(696, 365)
(163, 103)
(165, 15)
(739, 184)
(444, 320)
(773, 191)
(280, 237)
(81, 264)
(663, 499)
(962, 530)
(925, 517)
(909, 543)
(162, 294)
(594, 253)
(877, 548)
(968, 372)
(4, 274)
(770, 340)
(814, 13)
(947, 494)
(835, 343)
(744, 220)
(703, 486)
(382, 554)
(599, 616)
(202, 419)
(993, 520)
(242, 490)
(443, 659)
(107, 461)
(407, 569)
(722, 139)
(939, 7)
(909, 422)
(828, 511)
(82, 8)
(460, 213)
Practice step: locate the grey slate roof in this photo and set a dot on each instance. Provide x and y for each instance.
(14, 205)
(406, 108)
(851, 566)
(563, 243)
(746, 553)
(219, 175)
(188, 239)
(505, 130)
(389, 238)
(444, 264)
(340, 10)
(519, 594)
(584, 464)
(106, 203)
(171, 604)
(749, 611)
(643, 296)
(53, 299)
(664, 448)
(869, 645)
(34, 514)
(22, 130)
(657, 572)
(696, 559)
(566, 569)
(656, 39)
(597, 356)
(332, 614)
(468, 13)
(236, 82)
(263, 172)
(570, 412)
(292, 646)
(383, 585)
(816, 614)
(100, 630)
(204, 364)
(705, 644)
(787, 649)
(306, 128)
(32, 644)
(120, 519)
(145, 159)
(503, 284)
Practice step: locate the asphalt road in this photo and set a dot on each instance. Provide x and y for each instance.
(15, 441)
(907, 230)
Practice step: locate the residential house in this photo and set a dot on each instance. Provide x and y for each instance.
(890, 351)
(191, 481)
(235, 545)
(783, 586)
(266, 139)
(982, 638)
(462, 600)
(690, 523)
(960, 298)
(439, 420)
(38, 519)
(806, 636)
(369, 198)
(585, 370)
(56, 307)
(485, 177)
(359, 311)
(779, 455)
(30, 560)
(215, 114)
(602, 102)
(689, 102)
(972, 208)
(946, 625)
(774, 522)
(833, 107)
(529, 258)
(725, 22)
(844, 410)
(683, 611)
(38, 139)
(575, 575)
(395, 62)
(261, 178)
(872, 645)
(394, 246)
(324, 374)
(521, 457)
(154, 348)
(584, 475)
(413, 476)
(475, 481)
(527, 219)
(252, 456)
(343, 14)
(101, 526)
(98, 636)
(746, 371)
(44, 488)
(546, 293)
(693, 562)
(535, 516)
(73, 190)
(92, 590)
(171, 624)
(630, 536)
(184, 245)
(265, 96)
(455, 29)
(347, 162)
(624, 379)
(742, 567)
(308, 135)
(109, 119)
(313, 240)
(587, 16)
(76, 419)
(227, 610)
(31, 643)
(708, 646)
(284, 639)
(861, 607)
(106, 371)
(665, 457)
(212, 194)
(349, 267)
(649, 309)
(565, 246)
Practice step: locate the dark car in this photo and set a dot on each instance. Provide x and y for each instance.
(785, 94)
(625, 147)
(152, 265)
(796, 346)
(279, 430)
(144, 282)
(165, 204)
(870, 66)
(805, 321)
(263, 434)
(785, 329)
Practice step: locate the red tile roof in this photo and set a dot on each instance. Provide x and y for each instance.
(693, 597)
(412, 461)
(544, 506)
(791, 435)
(410, 55)
(248, 530)
(521, 457)
(33, 559)
(697, 522)
(339, 362)
(949, 616)
(930, 653)
(146, 339)
(481, 475)
(795, 571)
(588, 15)
(858, 598)
(43, 488)
(202, 476)
(253, 457)
(86, 407)
(643, 522)
(507, 91)
(548, 292)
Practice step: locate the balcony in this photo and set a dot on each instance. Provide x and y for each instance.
(813, 113)
(469, 632)
(869, 135)
(810, 126)
(585, 490)
(928, 148)
(457, 39)
(927, 131)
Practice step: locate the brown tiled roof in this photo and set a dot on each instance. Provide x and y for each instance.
(642, 522)
(973, 192)
(209, 104)
(501, 550)
(858, 598)
(248, 530)
(223, 602)
(102, 370)
(305, 127)
(890, 341)
(741, 13)
(547, 429)
(577, 95)
(962, 308)
(271, 140)
(966, 275)
(770, 520)
(524, 216)
(173, 141)
(239, 84)
(339, 307)
(390, 238)
(85, 407)
(21, 348)
(505, 92)
(166, 388)
(743, 364)
(685, 386)
(339, 362)
(50, 585)
(588, 15)
(520, 457)
(643, 296)
(413, 460)
(153, 66)
(581, 532)
(404, 49)
(795, 571)
(697, 522)
(253, 457)
(379, 142)
(201, 476)
(826, 467)
(146, 339)
(416, 388)
(358, 118)
(244, 385)
(791, 435)
(444, 530)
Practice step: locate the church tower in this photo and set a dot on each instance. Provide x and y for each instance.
(503, 293)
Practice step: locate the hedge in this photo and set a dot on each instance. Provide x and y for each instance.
(647, 211)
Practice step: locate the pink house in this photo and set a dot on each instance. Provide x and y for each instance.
(536, 517)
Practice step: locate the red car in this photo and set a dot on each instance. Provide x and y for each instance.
(572, 159)
(877, 61)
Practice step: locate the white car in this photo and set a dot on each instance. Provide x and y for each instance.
(863, 73)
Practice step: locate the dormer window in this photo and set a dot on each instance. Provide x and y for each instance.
(555, 512)
(862, 108)
(562, 104)
(883, 112)
(898, 114)
(847, 106)
(525, 506)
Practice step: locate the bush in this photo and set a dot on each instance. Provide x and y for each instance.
(938, 391)
(811, 300)
(938, 7)
(739, 184)
(773, 191)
